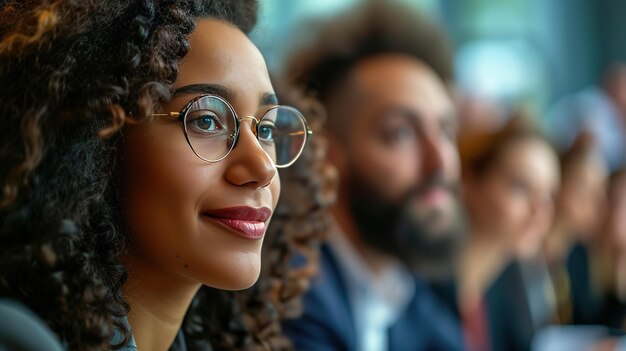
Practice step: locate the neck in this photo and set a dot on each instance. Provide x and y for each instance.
(479, 265)
(558, 243)
(158, 303)
(376, 261)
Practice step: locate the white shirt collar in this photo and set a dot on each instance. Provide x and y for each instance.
(377, 300)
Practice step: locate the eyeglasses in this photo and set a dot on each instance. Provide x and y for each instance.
(212, 129)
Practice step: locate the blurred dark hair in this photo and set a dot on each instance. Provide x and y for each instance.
(376, 27)
(72, 73)
(584, 149)
(479, 151)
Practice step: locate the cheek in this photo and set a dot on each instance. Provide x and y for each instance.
(274, 188)
(166, 186)
(162, 178)
(160, 194)
(394, 171)
(508, 211)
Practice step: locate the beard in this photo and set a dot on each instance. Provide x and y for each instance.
(416, 237)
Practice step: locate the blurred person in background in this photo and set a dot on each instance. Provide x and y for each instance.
(615, 225)
(599, 110)
(381, 72)
(579, 212)
(609, 255)
(509, 179)
(588, 280)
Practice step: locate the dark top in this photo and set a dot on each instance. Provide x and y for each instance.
(327, 322)
(509, 323)
(22, 330)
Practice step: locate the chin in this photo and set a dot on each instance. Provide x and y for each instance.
(240, 282)
(236, 277)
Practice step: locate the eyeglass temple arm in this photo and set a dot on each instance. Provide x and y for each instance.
(171, 114)
(308, 132)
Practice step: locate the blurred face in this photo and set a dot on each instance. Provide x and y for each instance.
(513, 200)
(616, 217)
(582, 196)
(401, 163)
(204, 221)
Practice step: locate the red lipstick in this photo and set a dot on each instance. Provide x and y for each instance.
(248, 222)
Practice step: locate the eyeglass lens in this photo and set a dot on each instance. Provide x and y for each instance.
(211, 128)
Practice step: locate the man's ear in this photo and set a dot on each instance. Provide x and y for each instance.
(335, 153)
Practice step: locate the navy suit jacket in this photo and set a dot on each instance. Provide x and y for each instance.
(327, 322)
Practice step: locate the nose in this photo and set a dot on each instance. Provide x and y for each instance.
(541, 211)
(432, 155)
(249, 165)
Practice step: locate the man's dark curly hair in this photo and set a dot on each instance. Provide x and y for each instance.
(72, 73)
(376, 27)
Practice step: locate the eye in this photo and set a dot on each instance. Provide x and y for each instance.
(266, 131)
(205, 122)
(398, 134)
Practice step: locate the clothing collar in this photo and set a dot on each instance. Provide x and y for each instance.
(391, 289)
(132, 345)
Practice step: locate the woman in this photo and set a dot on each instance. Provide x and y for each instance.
(509, 179)
(571, 248)
(581, 199)
(139, 153)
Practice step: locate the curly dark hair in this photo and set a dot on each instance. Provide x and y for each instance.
(376, 27)
(72, 73)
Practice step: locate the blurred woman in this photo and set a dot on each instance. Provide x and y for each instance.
(580, 209)
(509, 178)
(581, 198)
(615, 230)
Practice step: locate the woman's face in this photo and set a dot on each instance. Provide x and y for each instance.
(204, 221)
(582, 198)
(615, 220)
(513, 199)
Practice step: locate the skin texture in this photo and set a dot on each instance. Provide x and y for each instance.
(512, 202)
(395, 152)
(167, 188)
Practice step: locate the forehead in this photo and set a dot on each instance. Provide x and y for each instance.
(221, 54)
(533, 159)
(389, 79)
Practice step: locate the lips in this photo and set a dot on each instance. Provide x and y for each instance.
(434, 196)
(247, 222)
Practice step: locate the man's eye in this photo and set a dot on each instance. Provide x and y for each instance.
(400, 134)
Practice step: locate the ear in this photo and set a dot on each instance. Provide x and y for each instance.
(336, 153)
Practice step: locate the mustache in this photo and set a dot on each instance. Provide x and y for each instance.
(432, 183)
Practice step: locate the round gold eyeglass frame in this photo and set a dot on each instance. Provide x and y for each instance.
(234, 136)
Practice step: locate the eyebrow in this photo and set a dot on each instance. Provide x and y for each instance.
(222, 91)
(448, 117)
